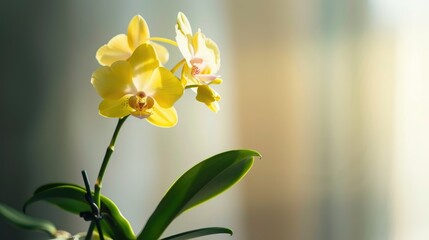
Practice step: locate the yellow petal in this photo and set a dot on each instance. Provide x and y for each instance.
(116, 108)
(143, 61)
(161, 51)
(208, 96)
(184, 42)
(164, 87)
(214, 106)
(113, 82)
(183, 24)
(211, 45)
(199, 43)
(184, 37)
(116, 49)
(163, 117)
(202, 50)
(138, 32)
(216, 81)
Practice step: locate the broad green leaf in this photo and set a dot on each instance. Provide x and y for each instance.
(202, 182)
(24, 221)
(199, 233)
(66, 196)
(71, 198)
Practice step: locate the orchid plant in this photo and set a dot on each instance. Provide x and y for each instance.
(133, 81)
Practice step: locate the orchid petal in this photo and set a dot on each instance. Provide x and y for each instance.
(116, 49)
(163, 117)
(211, 45)
(199, 43)
(143, 61)
(184, 46)
(208, 54)
(183, 24)
(138, 32)
(214, 106)
(164, 87)
(116, 108)
(114, 81)
(161, 51)
(210, 97)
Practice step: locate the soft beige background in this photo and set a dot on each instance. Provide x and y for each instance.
(333, 93)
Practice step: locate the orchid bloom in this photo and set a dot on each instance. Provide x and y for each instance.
(122, 46)
(140, 87)
(202, 62)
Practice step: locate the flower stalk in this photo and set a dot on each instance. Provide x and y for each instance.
(192, 86)
(178, 65)
(164, 40)
(90, 230)
(109, 151)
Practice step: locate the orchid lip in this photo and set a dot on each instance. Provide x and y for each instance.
(142, 104)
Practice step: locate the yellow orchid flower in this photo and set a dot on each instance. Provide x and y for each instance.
(140, 87)
(202, 62)
(122, 46)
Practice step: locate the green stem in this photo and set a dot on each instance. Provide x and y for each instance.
(178, 65)
(106, 159)
(192, 86)
(90, 230)
(164, 40)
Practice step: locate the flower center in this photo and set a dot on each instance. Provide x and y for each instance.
(196, 64)
(195, 70)
(142, 104)
(200, 71)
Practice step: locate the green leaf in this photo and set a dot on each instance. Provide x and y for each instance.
(202, 182)
(24, 221)
(71, 198)
(199, 233)
(82, 236)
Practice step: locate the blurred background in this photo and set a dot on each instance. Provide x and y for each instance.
(333, 93)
